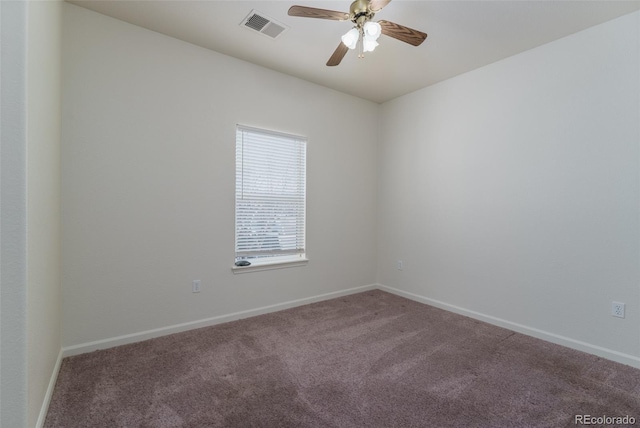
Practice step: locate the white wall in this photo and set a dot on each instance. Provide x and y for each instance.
(13, 236)
(511, 192)
(43, 201)
(30, 202)
(148, 181)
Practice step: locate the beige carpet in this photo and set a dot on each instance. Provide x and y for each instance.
(367, 360)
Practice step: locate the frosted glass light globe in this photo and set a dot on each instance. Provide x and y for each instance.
(350, 39)
(372, 30)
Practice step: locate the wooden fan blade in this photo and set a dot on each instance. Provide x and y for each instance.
(402, 33)
(377, 5)
(338, 54)
(312, 12)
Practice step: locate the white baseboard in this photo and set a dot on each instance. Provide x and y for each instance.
(177, 328)
(49, 393)
(609, 354)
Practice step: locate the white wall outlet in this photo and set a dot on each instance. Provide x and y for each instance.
(196, 285)
(400, 265)
(617, 309)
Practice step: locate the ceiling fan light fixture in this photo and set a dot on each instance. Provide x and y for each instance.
(372, 30)
(368, 45)
(350, 39)
(364, 35)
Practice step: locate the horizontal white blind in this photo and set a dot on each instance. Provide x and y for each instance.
(270, 193)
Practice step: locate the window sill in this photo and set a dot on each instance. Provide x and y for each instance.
(270, 265)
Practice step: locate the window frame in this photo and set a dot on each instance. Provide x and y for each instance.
(275, 261)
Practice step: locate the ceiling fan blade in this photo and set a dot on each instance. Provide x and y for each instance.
(312, 12)
(377, 5)
(402, 33)
(338, 54)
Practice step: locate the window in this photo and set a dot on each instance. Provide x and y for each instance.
(270, 197)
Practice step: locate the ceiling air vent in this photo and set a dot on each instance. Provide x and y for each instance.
(261, 23)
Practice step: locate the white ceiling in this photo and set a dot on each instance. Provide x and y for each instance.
(463, 35)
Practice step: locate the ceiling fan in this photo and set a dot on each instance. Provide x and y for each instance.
(365, 33)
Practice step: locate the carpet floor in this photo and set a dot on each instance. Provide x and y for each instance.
(371, 359)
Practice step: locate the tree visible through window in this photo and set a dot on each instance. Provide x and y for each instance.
(270, 194)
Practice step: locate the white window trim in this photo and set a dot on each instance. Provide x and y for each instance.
(278, 262)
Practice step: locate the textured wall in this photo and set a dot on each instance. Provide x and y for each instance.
(43, 199)
(13, 259)
(512, 191)
(148, 180)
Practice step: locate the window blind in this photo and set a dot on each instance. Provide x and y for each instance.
(270, 193)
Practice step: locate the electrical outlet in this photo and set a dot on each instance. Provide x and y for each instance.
(195, 286)
(400, 265)
(617, 309)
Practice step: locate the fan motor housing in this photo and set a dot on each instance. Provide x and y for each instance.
(359, 12)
